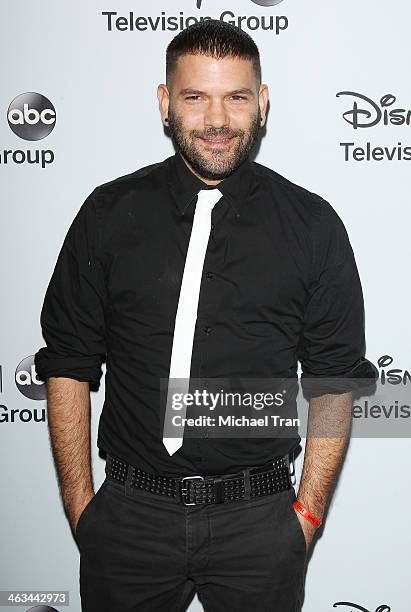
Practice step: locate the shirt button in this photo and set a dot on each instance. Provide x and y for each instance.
(210, 275)
(207, 330)
(212, 226)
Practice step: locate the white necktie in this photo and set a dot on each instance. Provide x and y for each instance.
(186, 316)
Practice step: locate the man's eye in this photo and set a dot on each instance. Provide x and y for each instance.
(239, 97)
(192, 97)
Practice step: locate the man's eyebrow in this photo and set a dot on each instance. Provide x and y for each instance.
(198, 92)
(243, 90)
(189, 90)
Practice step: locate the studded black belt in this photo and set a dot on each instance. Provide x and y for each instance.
(250, 483)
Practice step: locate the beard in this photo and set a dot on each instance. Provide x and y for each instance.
(222, 162)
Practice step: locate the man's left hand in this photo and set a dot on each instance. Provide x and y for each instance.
(307, 527)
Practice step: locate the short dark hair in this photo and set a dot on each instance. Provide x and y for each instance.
(214, 38)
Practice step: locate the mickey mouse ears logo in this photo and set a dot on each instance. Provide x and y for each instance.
(259, 2)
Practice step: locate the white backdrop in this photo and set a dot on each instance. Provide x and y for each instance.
(102, 85)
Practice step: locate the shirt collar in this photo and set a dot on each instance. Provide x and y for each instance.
(185, 185)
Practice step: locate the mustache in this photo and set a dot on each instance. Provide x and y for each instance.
(217, 134)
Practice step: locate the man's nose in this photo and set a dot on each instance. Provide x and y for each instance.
(216, 114)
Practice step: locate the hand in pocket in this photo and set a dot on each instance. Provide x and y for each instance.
(79, 513)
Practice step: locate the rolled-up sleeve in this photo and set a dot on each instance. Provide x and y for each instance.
(73, 313)
(332, 343)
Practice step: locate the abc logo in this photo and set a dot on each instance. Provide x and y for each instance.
(27, 381)
(267, 2)
(42, 609)
(260, 2)
(31, 116)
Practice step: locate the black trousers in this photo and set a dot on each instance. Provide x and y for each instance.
(142, 552)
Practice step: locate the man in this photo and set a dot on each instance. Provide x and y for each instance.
(278, 283)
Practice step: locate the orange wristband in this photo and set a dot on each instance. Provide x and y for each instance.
(306, 513)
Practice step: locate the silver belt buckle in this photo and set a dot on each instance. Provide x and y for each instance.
(185, 489)
(293, 477)
(291, 468)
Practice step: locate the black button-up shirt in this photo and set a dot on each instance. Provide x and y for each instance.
(279, 284)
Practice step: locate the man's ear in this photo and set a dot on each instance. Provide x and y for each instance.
(263, 102)
(163, 97)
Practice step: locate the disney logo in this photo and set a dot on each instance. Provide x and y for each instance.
(366, 113)
(394, 376)
(353, 606)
